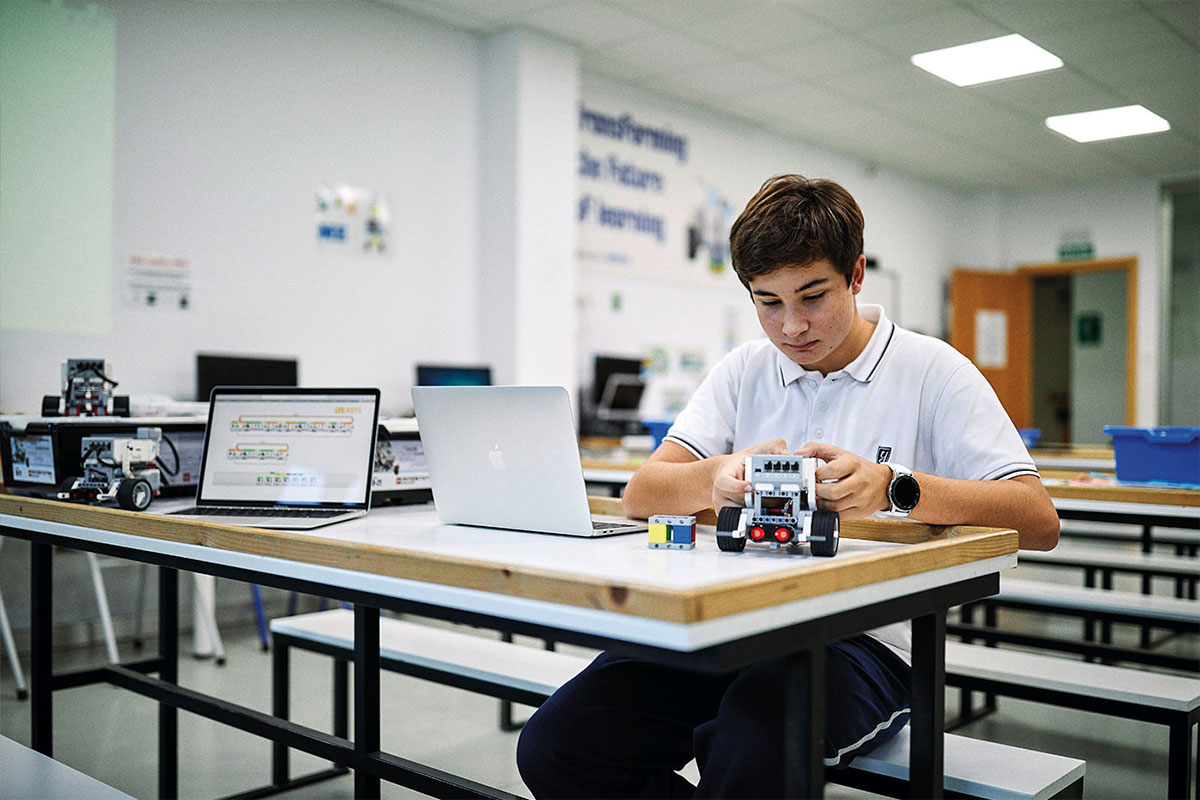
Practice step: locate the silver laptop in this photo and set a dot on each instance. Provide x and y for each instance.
(507, 457)
(286, 458)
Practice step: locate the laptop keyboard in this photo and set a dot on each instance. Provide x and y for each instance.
(302, 513)
(603, 526)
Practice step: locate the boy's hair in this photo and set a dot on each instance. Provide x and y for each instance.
(793, 221)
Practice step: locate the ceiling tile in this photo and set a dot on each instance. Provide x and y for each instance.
(833, 55)
(711, 82)
(1099, 38)
(1031, 18)
(757, 27)
(800, 102)
(954, 26)
(904, 80)
(588, 22)
(837, 73)
(1166, 152)
(673, 13)
(1165, 80)
(858, 15)
(1182, 16)
(655, 54)
(473, 15)
(1059, 91)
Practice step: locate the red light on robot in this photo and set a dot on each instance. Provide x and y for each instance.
(757, 533)
(783, 533)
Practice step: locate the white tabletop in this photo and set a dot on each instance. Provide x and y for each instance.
(1124, 507)
(619, 561)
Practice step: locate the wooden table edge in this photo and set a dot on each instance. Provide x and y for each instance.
(929, 548)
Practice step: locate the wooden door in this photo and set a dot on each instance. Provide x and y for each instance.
(991, 317)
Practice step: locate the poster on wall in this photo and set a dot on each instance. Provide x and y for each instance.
(352, 219)
(643, 208)
(159, 281)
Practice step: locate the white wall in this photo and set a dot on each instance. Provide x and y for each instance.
(228, 118)
(1121, 219)
(915, 229)
(1097, 368)
(230, 115)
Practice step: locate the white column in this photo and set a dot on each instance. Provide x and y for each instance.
(529, 111)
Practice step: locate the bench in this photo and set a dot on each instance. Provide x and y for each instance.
(974, 768)
(1092, 605)
(529, 675)
(1170, 700)
(28, 773)
(1185, 541)
(1107, 560)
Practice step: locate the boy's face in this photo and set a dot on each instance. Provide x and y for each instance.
(809, 314)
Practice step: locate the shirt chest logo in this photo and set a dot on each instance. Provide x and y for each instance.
(882, 455)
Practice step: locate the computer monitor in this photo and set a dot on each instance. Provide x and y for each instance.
(622, 398)
(448, 375)
(604, 367)
(232, 370)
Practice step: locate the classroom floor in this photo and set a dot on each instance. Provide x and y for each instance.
(110, 734)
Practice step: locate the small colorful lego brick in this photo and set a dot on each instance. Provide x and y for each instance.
(672, 532)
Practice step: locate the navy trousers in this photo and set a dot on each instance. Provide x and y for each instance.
(623, 726)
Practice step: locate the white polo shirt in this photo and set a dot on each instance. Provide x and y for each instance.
(907, 399)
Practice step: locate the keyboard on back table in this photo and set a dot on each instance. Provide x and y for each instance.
(224, 511)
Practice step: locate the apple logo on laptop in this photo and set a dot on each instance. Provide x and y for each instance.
(496, 456)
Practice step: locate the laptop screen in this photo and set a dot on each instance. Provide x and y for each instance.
(311, 447)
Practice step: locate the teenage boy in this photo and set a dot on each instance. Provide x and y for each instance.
(906, 426)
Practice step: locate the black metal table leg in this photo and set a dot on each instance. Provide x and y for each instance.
(366, 696)
(280, 707)
(41, 678)
(804, 724)
(928, 704)
(168, 652)
(341, 703)
(1179, 768)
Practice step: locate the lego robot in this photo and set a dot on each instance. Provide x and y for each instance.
(86, 392)
(117, 468)
(781, 509)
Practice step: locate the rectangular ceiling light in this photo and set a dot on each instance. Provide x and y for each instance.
(989, 60)
(1108, 123)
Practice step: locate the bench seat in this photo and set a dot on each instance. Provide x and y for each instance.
(973, 768)
(460, 657)
(408, 647)
(1133, 607)
(28, 773)
(1114, 560)
(1170, 700)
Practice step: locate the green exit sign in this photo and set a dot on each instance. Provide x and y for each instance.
(1076, 251)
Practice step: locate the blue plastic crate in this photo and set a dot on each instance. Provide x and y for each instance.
(1169, 453)
(1030, 436)
(657, 428)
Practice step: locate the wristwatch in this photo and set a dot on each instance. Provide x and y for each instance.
(903, 491)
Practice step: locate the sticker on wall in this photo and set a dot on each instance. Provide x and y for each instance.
(352, 219)
(708, 233)
(1088, 329)
(991, 339)
(158, 281)
(658, 360)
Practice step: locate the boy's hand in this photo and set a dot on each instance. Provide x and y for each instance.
(729, 483)
(860, 486)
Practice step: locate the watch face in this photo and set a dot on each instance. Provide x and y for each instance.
(905, 492)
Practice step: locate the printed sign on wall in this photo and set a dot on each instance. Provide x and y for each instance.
(642, 207)
(351, 219)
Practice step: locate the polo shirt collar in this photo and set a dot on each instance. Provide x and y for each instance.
(862, 368)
